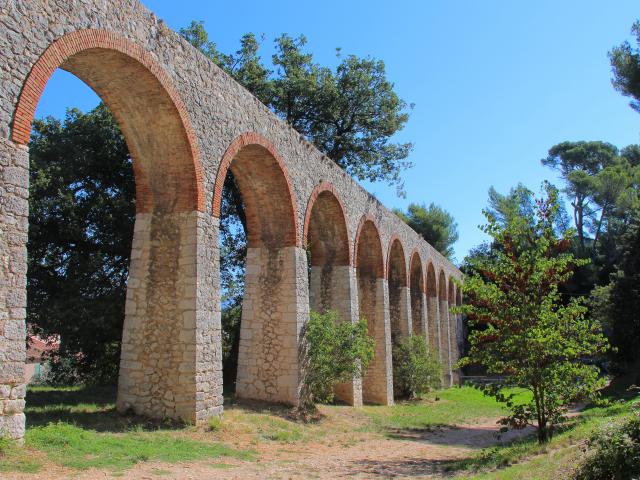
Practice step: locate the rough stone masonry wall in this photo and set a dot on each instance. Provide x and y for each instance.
(215, 111)
(272, 316)
(14, 161)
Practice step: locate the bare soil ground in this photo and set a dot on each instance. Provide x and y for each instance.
(342, 450)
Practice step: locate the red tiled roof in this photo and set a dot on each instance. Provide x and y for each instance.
(37, 347)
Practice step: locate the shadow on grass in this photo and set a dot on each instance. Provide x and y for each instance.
(283, 411)
(455, 436)
(90, 407)
(407, 467)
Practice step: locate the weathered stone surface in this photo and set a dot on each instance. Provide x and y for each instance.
(186, 124)
(12, 425)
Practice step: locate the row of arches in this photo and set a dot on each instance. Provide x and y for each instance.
(170, 364)
(358, 280)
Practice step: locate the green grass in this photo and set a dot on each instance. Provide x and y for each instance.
(78, 448)
(87, 407)
(525, 457)
(520, 459)
(79, 428)
(14, 459)
(445, 407)
(277, 429)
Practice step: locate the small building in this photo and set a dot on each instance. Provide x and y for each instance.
(38, 350)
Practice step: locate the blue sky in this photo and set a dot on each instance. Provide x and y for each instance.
(495, 83)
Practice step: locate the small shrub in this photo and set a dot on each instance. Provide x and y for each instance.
(613, 453)
(416, 369)
(215, 424)
(5, 443)
(332, 351)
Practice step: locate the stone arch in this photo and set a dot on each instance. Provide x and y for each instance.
(327, 242)
(267, 353)
(433, 321)
(166, 163)
(373, 306)
(372, 258)
(325, 227)
(398, 285)
(417, 290)
(265, 185)
(442, 286)
(331, 285)
(159, 333)
(445, 327)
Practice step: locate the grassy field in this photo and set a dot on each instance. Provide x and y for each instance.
(78, 428)
(526, 459)
(446, 407)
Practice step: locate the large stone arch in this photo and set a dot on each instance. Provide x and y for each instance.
(325, 227)
(445, 328)
(416, 286)
(272, 310)
(150, 113)
(267, 193)
(159, 374)
(373, 298)
(433, 307)
(331, 276)
(398, 290)
(327, 242)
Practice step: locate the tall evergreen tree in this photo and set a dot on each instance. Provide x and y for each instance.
(434, 224)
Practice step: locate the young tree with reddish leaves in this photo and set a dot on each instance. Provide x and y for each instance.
(522, 329)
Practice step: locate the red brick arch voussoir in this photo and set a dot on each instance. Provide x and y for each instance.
(381, 273)
(392, 240)
(252, 138)
(75, 42)
(320, 188)
(443, 285)
(423, 272)
(427, 283)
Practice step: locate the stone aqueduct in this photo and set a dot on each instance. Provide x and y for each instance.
(186, 124)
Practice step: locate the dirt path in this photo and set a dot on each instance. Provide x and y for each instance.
(415, 454)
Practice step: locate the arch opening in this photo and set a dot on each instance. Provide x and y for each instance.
(266, 348)
(329, 259)
(397, 281)
(377, 385)
(158, 336)
(433, 321)
(418, 320)
(330, 271)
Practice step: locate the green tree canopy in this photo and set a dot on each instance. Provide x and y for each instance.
(625, 63)
(616, 304)
(578, 164)
(435, 224)
(350, 113)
